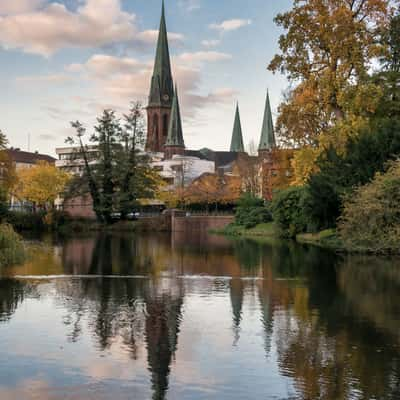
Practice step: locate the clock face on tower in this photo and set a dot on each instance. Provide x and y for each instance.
(166, 97)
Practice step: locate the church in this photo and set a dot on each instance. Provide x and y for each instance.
(165, 136)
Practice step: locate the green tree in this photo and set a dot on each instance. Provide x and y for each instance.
(121, 175)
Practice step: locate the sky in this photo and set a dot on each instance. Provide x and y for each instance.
(67, 60)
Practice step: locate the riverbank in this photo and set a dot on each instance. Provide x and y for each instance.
(326, 239)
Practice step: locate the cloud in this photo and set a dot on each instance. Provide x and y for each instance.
(202, 56)
(11, 7)
(189, 5)
(211, 43)
(231, 25)
(95, 23)
(51, 78)
(122, 79)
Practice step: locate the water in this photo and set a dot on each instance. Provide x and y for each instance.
(190, 318)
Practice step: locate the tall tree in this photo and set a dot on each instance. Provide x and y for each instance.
(121, 175)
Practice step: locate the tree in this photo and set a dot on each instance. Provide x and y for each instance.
(327, 54)
(339, 173)
(121, 175)
(3, 141)
(214, 189)
(41, 184)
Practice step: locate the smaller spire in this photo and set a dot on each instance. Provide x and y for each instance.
(175, 132)
(237, 135)
(267, 141)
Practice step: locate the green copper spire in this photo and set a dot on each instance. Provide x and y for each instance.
(175, 132)
(162, 87)
(237, 136)
(267, 141)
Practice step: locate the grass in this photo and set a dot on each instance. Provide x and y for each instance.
(266, 229)
(327, 238)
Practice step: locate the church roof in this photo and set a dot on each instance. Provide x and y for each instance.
(267, 141)
(175, 132)
(162, 87)
(237, 136)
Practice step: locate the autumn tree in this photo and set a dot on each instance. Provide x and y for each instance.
(213, 189)
(41, 184)
(327, 52)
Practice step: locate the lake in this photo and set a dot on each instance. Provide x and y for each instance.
(155, 316)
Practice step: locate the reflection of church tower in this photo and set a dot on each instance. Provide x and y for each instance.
(161, 93)
(164, 314)
(236, 294)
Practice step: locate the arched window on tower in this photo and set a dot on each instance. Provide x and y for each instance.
(165, 125)
(154, 129)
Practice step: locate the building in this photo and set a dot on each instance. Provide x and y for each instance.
(25, 159)
(70, 159)
(21, 160)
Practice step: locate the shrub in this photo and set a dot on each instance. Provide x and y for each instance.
(371, 216)
(291, 211)
(12, 250)
(251, 211)
(25, 221)
(340, 172)
(250, 217)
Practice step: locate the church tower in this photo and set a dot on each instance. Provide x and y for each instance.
(237, 135)
(267, 141)
(161, 93)
(175, 145)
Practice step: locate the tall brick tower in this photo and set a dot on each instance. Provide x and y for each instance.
(161, 93)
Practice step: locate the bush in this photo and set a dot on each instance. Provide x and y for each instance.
(371, 216)
(250, 217)
(251, 211)
(25, 221)
(12, 250)
(339, 173)
(291, 211)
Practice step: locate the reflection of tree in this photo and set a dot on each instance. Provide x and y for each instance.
(236, 295)
(12, 293)
(324, 345)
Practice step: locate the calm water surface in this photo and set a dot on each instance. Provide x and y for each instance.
(190, 318)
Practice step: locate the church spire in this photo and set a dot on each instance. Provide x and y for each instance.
(175, 131)
(162, 87)
(267, 141)
(237, 136)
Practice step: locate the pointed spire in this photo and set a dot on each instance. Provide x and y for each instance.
(267, 141)
(237, 136)
(175, 132)
(162, 86)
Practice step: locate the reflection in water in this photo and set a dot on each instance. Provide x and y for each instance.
(304, 323)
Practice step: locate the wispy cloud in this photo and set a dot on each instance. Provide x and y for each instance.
(11, 7)
(190, 5)
(231, 25)
(211, 43)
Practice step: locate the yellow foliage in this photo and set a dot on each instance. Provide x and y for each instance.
(303, 164)
(41, 184)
